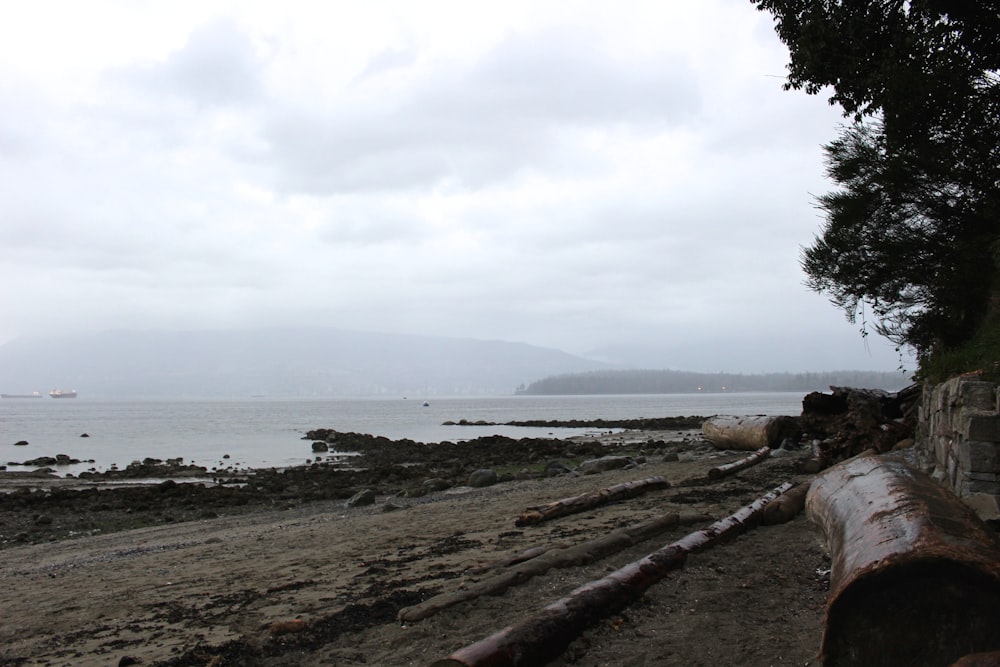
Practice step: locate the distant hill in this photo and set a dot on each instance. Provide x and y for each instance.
(292, 362)
(683, 382)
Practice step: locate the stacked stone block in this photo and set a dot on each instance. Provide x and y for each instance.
(959, 440)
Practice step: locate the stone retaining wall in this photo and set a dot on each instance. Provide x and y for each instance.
(958, 439)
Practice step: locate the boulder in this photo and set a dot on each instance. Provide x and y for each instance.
(556, 468)
(483, 477)
(320, 446)
(593, 466)
(364, 497)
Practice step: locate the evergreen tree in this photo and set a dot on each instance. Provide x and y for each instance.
(913, 229)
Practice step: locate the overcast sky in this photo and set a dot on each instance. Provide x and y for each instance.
(622, 178)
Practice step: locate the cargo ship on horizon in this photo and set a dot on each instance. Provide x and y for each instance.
(60, 393)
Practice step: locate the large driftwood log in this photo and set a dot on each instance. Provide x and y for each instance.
(543, 636)
(736, 466)
(580, 554)
(749, 433)
(915, 575)
(586, 501)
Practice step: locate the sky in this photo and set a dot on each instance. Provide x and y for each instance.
(625, 180)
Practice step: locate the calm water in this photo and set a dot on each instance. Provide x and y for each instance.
(268, 432)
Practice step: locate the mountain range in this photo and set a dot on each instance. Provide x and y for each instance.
(277, 362)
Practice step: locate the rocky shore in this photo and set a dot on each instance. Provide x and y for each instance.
(157, 564)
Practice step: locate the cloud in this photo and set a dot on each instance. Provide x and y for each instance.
(217, 66)
(524, 105)
(607, 176)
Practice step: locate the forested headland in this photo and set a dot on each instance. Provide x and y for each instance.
(686, 382)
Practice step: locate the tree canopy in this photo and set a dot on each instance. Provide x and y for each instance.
(912, 229)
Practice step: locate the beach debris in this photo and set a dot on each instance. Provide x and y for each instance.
(543, 636)
(741, 464)
(751, 432)
(915, 574)
(848, 421)
(586, 501)
(537, 562)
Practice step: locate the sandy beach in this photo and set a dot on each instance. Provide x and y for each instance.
(319, 584)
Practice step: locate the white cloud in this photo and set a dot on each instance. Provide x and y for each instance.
(598, 175)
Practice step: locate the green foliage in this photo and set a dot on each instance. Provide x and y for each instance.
(912, 230)
(981, 353)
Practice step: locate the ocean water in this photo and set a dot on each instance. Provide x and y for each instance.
(268, 432)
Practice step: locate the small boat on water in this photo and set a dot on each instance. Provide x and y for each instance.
(34, 394)
(62, 393)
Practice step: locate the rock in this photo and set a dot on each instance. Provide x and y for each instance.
(319, 446)
(287, 627)
(604, 463)
(435, 484)
(41, 461)
(43, 520)
(905, 443)
(393, 506)
(127, 660)
(364, 497)
(483, 477)
(557, 468)
(670, 457)
(20, 443)
(86, 435)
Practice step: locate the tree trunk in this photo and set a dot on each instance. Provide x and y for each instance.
(787, 506)
(543, 636)
(586, 501)
(915, 574)
(736, 466)
(749, 433)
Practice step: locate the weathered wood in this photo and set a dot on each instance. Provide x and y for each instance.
(915, 574)
(751, 432)
(991, 659)
(736, 466)
(580, 554)
(507, 561)
(543, 636)
(787, 506)
(586, 501)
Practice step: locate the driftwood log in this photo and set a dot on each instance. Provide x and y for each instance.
(787, 506)
(586, 501)
(741, 464)
(749, 433)
(915, 575)
(543, 636)
(580, 554)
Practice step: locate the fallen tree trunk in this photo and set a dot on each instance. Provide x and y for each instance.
(915, 574)
(736, 466)
(543, 636)
(750, 433)
(580, 554)
(586, 501)
(786, 507)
